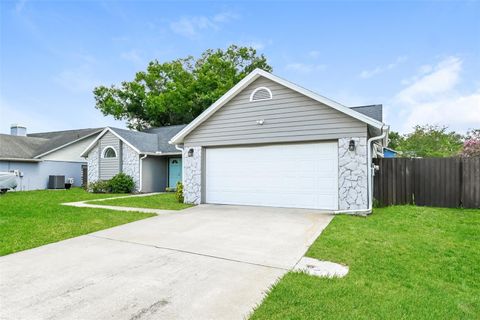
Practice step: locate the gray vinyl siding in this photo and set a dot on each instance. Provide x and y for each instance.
(154, 174)
(289, 117)
(109, 166)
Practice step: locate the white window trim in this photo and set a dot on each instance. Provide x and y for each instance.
(105, 149)
(258, 89)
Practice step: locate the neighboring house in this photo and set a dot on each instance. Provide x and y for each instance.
(36, 156)
(270, 142)
(146, 156)
(389, 153)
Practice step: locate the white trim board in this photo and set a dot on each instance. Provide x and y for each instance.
(178, 138)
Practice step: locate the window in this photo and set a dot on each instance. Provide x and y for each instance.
(109, 152)
(261, 93)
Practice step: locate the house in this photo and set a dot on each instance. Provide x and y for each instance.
(146, 156)
(36, 156)
(389, 153)
(270, 142)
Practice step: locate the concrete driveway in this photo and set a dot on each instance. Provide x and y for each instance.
(206, 262)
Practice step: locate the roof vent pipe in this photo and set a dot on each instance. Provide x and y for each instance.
(18, 130)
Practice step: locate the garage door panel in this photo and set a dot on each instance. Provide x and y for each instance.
(295, 175)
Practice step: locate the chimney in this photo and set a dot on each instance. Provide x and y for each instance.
(18, 130)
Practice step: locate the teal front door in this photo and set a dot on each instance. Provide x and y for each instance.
(174, 171)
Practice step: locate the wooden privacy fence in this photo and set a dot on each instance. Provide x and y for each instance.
(437, 182)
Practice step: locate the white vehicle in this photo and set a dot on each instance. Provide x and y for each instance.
(8, 180)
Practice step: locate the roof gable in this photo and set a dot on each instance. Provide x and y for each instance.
(151, 141)
(287, 116)
(239, 87)
(36, 145)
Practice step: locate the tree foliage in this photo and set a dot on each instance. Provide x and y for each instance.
(394, 140)
(430, 141)
(177, 91)
(471, 145)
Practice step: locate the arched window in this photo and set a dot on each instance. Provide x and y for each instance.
(261, 93)
(109, 152)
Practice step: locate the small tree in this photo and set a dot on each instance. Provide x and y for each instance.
(431, 141)
(471, 145)
(394, 140)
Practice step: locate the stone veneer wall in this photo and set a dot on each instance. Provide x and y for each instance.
(192, 175)
(131, 164)
(92, 162)
(352, 175)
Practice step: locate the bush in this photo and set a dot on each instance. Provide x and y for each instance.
(179, 192)
(100, 186)
(121, 183)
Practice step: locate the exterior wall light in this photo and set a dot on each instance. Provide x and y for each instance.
(351, 145)
(190, 153)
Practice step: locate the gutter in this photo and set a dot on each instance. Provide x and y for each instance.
(21, 159)
(141, 172)
(160, 153)
(370, 174)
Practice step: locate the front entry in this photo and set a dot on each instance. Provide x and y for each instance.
(174, 171)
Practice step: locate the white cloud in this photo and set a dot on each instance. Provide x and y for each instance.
(10, 114)
(366, 74)
(304, 67)
(433, 97)
(441, 79)
(132, 56)
(192, 27)
(225, 17)
(256, 44)
(80, 78)
(314, 54)
(20, 5)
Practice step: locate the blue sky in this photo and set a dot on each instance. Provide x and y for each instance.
(421, 60)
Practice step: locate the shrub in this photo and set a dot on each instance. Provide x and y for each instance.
(179, 192)
(100, 186)
(121, 183)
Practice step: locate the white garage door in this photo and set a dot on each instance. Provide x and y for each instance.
(290, 175)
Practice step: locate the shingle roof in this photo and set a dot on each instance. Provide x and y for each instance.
(373, 111)
(151, 140)
(19, 147)
(144, 142)
(164, 135)
(34, 144)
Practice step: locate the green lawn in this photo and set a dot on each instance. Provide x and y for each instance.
(164, 201)
(33, 218)
(405, 263)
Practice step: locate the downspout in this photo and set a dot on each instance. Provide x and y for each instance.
(141, 172)
(370, 173)
(181, 149)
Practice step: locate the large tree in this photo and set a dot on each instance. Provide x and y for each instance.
(177, 91)
(431, 141)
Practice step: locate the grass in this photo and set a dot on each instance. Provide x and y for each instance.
(405, 263)
(33, 218)
(163, 201)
